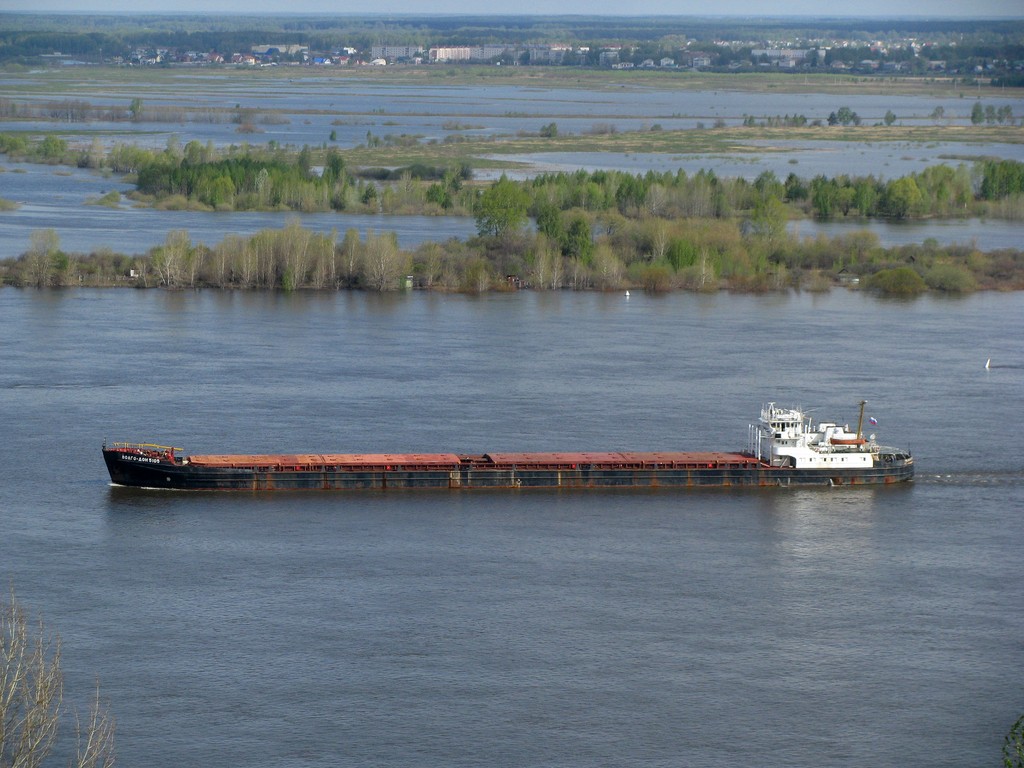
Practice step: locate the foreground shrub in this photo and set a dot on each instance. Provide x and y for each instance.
(952, 278)
(902, 281)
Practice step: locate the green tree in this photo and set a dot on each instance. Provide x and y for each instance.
(823, 196)
(334, 166)
(305, 160)
(440, 195)
(977, 113)
(630, 194)
(53, 148)
(847, 116)
(795, 189)
(767, 184)
(135, 109)
(769, 218)
(1001, 178)
(63, 265)
(890, 117)
(369, 196)
(501, 208)
(844, 116)
(902, 197)
(220, 193)
(865, 196)
(549, 221)
(579, 243)
(1013, 746)
(549, 131)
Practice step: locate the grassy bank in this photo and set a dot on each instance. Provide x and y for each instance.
(555, 78)
(757, 140)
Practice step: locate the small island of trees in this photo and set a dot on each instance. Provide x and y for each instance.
(602, 230)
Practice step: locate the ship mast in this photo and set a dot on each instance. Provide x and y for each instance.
(860, 419)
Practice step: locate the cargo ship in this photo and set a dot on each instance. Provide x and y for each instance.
(784, 449)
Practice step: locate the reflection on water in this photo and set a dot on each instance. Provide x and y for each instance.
(816, 526)
(986, 235)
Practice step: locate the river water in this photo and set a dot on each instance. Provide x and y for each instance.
(314, 106)
(840, 627)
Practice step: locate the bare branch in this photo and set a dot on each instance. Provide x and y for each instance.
(32, 698)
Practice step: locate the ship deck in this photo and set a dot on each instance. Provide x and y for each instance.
(440, 461)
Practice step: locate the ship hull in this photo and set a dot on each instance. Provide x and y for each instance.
(128, 470)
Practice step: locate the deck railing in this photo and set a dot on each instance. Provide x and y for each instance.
(141, 447)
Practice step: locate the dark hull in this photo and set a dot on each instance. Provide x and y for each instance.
(184, 476)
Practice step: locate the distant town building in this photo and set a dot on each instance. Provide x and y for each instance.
(284, 49)
(394, 52)
(469, 53)
(548, 54)
(449, 53)
(786, 58)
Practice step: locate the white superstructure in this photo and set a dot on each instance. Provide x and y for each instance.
(784, 437)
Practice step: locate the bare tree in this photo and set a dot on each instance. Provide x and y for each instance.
(169, 260)
(608, 268)
(431, 255)
(322, 260)
(351, 248)
(43, 246)
(659, 239)
(236, 259)
(656, 199)
(383, 263)
(548, 267)
(32, 699)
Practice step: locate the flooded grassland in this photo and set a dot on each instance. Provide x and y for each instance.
(520, 123)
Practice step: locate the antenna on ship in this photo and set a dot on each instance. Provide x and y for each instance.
(860, 419)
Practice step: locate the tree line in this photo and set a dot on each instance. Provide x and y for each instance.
(272, 177)
(583, 230)
(606, 252)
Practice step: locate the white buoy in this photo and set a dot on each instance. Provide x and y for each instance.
(988, 363)
(627, 296)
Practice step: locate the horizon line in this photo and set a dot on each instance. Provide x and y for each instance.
(905, 16)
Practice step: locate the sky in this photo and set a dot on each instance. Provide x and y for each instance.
(936, 9)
